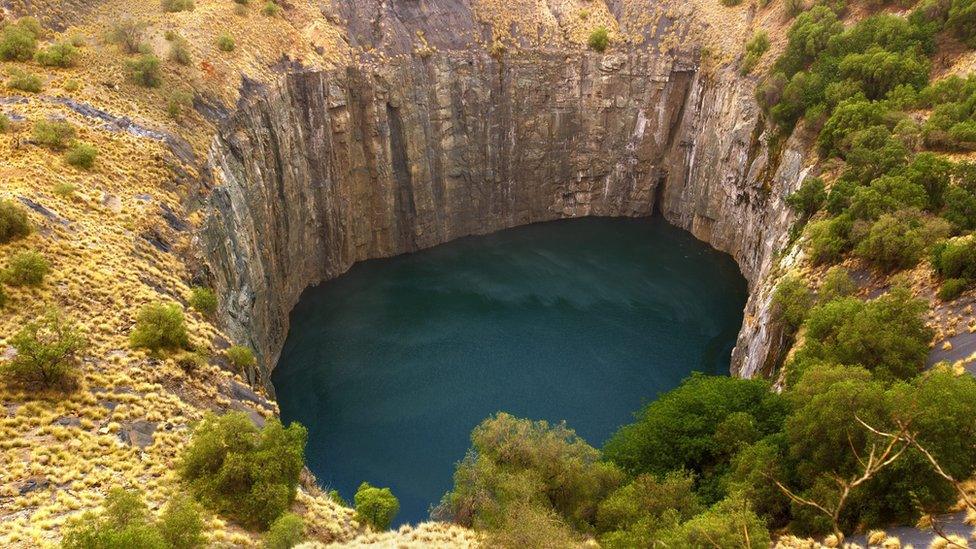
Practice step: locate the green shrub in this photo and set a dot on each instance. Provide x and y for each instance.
(24, 81)
(3, 297)
(18, 41)
(178, 102)
(900, 240)
(793, 7)
(633, 515)
(225, 42)
(755, 48)
(53, 133)
(159, 327)
(792, 299)
(599, 39)
(837, 283)
(285, 532)
(204, 300)
(171, 6)
(82, 155)
(376, 506)
(809, 198)
(828, 239)
(13, 222)
(886, 335)
(64, 190)
(4, 123)
(47, 351)
(955, 258)
(241, 357)
(729, 523)
(952, 288)
(128, 33)
(678, 430)
(26, 269)
(270, 9)
(127, 522)
(190, 362)
(731, 3)
(71, 85)
(145, 70)
(247, 475)
(179, 51)
(60, 54)
(962, 21)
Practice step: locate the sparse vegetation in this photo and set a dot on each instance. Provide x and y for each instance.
(47, 351)
(160, 327)
(179, 51)
(82, 155)
(270, 9)
(14, 223)
(599, 39)
(178, 102)
(26, 269)
(241, 357)
(376, 506)
(243, 473)
(128, 34)
(755, 48)
(24, 81)
(171, 6)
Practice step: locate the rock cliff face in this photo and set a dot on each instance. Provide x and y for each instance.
(330, 168)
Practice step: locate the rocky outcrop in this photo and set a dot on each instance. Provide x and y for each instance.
(330, 168)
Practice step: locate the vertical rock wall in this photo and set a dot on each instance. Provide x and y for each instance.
(330, 168)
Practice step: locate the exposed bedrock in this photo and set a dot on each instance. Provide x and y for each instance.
(330, 168)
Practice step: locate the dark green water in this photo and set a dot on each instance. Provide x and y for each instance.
(391, 365)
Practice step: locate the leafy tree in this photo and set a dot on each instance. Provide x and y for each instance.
(47, 351)
(956, 258)
(243, 473)
(874, 152)
(931, 172)
(809, 35)
(159, 327)
(887, 194)
(792, 299)
(952, 288)
(851, 115)
(901, 239)
(880, 70)
(886, 335)
(678, 430)
(13, 222)
(635, 514)
(376, 506)
(829, 239)
(729, 523)
(285, 532)
(960, 209)
(599, 39)
(516, 461)
(962, 21)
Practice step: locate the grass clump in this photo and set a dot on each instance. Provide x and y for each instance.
(285, 532)
(26, 269)
(127, 522)
(952, 288)
(599, 39)
(53, 133)
(60, 54)
(18, 41)
(47, 351)
(225, 42)
(24, 81)
(145, 70)
(158, 327)
(172, 6)
(376, 506)
(241, 472)
(82, 155)
(13, 222)
(64, 190)
(204, 300)
(190, 362)
(241, 357)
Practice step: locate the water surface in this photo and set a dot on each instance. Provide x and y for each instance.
(391, 365)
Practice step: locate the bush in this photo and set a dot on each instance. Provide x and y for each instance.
(82, 155)
(64, 190)
(376, 506)
(809, 198)
(171, 6)
(248, 475)
(3, 297)
(887, 335)
(225, 42)
(204, 300)
(285, 532)
(792, 299)
(241, 357)
(145, 71)
(632, 515)
(127, 522)
(4, 123)
(26, 269)
(127, 33)
(61, 54)
(47, 351)
(837, 283)
(179, 52)
(962, 21)
(53, 133)
(729, 523)
(956, 258)
(755, 49)
(599, 39)
(952, 288)
(270, 9)
(18, 41)
(731, 3)
(900, 240)
(13, 222)
(24, 81)
(678, 430)
(158, 327)
(828, 239)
